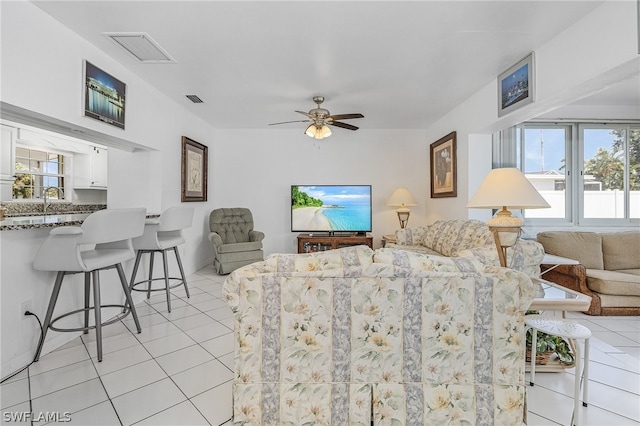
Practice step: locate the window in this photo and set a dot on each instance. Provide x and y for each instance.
(542, 157)
(588, 173)
(37, 171)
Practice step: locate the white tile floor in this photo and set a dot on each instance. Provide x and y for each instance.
(178, 371)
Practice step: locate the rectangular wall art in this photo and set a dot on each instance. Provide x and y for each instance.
(516, 86)
(444, 167)
(194, 170)
(104, 96)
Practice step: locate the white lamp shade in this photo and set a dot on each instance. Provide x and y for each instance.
(318, 132)
(507, 187)
(401, 197)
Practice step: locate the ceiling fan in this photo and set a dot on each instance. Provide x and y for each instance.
(321, 118)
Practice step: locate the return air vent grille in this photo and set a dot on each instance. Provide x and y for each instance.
(195, 99)
(143, 47)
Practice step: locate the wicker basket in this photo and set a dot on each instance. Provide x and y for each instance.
(541, 358)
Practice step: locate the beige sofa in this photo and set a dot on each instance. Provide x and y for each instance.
(469, 238)
(609, 269)
(357, 337)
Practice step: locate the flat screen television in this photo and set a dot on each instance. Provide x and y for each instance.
(331, 208)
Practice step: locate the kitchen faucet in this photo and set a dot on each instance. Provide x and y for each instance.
(46, 192)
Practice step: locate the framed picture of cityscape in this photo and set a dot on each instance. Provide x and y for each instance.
(103, 96)
(194, 170)
(516, 86)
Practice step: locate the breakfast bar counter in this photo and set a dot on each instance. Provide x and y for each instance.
(41, 221)
(47, 221)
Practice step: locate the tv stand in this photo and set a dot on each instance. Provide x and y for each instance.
(310, 243)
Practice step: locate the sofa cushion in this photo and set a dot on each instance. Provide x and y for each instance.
(408, 261)
(629, 271)
(613, 282)
(585, 247)
(621, 250)
(347, 258)
(448, 237)
(414, 248)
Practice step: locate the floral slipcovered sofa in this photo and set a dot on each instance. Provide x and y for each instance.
(469, 238)
(357, 337)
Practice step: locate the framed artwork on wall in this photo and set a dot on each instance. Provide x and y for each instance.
(103, 96)
(194, 170)
(443, 156)
(516, 86)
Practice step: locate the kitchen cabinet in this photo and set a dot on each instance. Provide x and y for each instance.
(7, 161)
(91, 169)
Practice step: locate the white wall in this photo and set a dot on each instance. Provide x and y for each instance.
(255, 169)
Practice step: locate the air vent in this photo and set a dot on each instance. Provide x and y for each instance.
(143, 47)
(195, 99)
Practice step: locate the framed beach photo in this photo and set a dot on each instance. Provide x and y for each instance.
(103, 96)
(516, 86)
(442, 154)
(194, 170)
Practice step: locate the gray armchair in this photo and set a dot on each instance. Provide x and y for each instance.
(235, 243)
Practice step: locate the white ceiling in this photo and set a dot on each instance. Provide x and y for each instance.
(401, 64)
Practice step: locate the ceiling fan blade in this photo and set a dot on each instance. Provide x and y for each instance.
(305, 113)
(294, 121)
(346, 116)
(343, 125)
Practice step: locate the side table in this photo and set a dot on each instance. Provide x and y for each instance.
(388, 239)
(555, 261)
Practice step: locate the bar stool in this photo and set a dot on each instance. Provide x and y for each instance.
(102, 242)
(160, 235)
(568, 330)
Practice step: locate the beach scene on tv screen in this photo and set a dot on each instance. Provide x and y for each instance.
(331, 208)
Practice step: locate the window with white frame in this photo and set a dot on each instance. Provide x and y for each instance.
(589, 173)
(38, 171)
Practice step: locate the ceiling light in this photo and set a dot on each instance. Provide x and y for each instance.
(142, 46)
(318, 131)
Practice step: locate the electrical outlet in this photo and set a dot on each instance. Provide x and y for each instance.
(24, 307)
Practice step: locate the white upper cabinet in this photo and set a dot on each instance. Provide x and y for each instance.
(7, 161)
(90, 170)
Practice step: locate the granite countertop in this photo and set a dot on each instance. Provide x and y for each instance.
(17, 223)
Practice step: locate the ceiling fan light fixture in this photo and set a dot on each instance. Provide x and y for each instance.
(325, 131)
(318, 131)
(311, 131)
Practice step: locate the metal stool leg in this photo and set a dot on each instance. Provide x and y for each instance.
(47, 318)
(135, 269)
(98, 313)
(87, 294)
(151, 254)
(127, 293)
(184, 279)
(166, 278)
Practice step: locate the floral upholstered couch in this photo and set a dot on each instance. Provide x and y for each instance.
(469, 238)
(357, 337)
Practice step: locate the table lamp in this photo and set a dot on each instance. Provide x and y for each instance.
(503, 189)
(402, 198)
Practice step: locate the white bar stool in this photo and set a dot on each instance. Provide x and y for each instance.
(102, 242)
(569, 330)
(160, 235)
